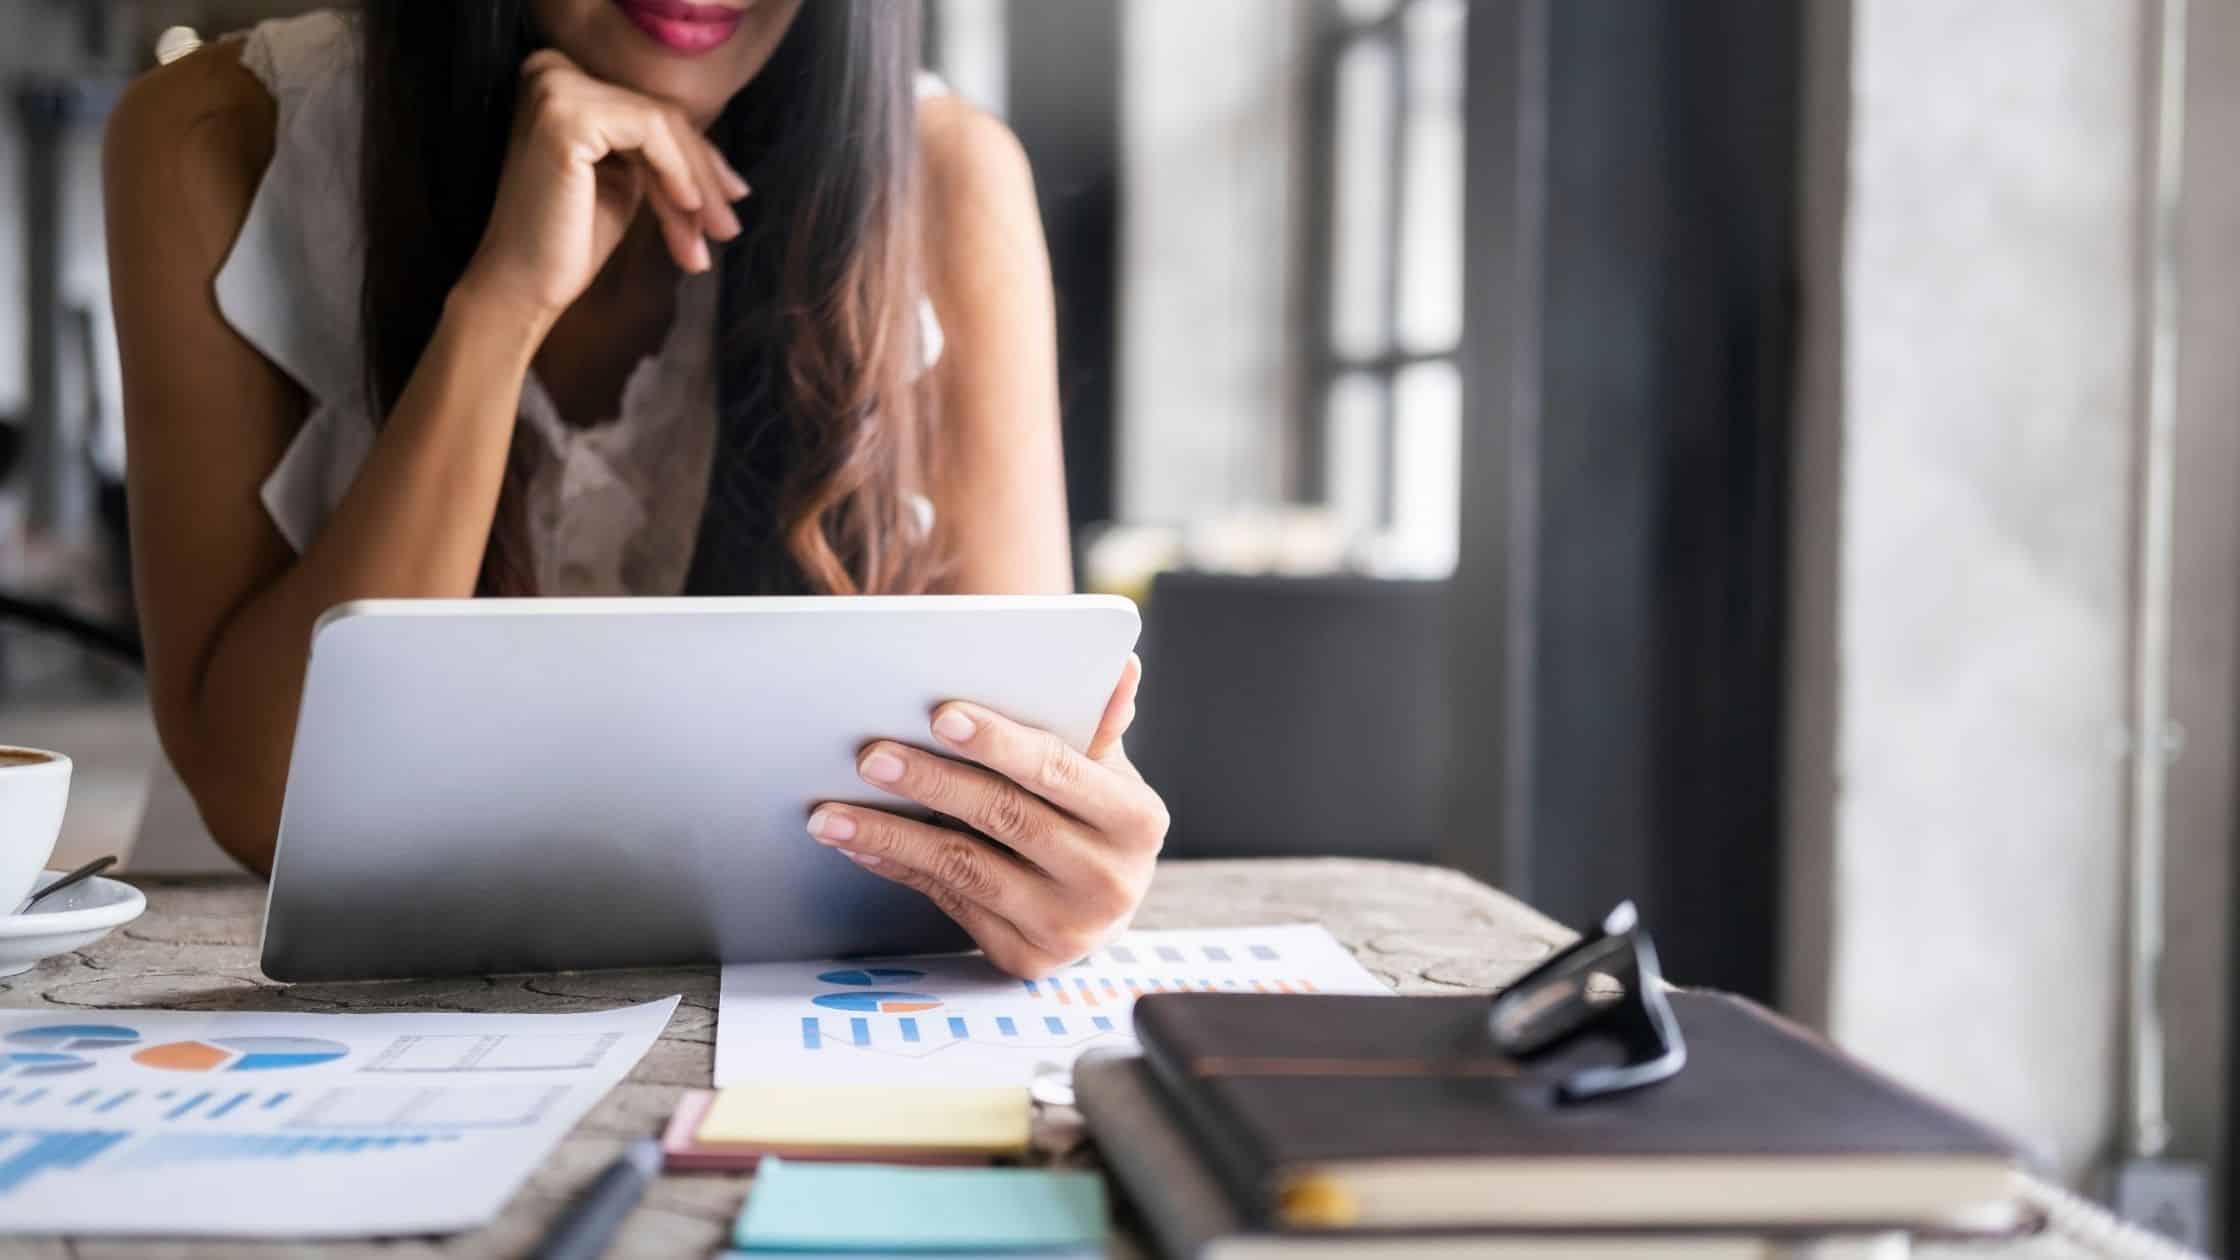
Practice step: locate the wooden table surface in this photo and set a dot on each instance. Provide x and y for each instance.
(1420, 929)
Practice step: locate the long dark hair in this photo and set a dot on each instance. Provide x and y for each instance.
(821, 415)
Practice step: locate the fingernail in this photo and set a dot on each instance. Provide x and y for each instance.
(734, 182)
(701, 259)
(827, 825)
(881, 767)
(954, 726)
(860, 859)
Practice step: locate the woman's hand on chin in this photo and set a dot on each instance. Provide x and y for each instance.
(1077, 832)
(583, 157)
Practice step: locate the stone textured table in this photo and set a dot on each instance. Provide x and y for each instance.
(1418, 928)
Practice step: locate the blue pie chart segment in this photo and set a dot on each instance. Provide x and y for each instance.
(264, 1054)
(871, 977)
(41, 1063)
(877, 1001)
(74, 1037)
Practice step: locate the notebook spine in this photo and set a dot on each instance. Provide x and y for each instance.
(1225, 1143)
(1185, 1207)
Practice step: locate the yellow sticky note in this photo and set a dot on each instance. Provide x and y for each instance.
(811, 1119)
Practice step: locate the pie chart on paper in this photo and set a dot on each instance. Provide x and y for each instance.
(867, 977)
(74, 1037)
(877, 1001)
(41, 1063)
(241, 1054)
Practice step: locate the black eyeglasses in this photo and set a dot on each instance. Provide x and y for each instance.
(1553, 1006)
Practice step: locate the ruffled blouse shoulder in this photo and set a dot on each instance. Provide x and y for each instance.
(291, 286)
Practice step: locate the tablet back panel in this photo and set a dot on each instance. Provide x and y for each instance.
(484, 786)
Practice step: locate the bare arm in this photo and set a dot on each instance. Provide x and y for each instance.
(1001, 493)
(226, 607)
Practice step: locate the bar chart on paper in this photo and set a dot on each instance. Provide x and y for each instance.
(956, 1020)
(153, 1122)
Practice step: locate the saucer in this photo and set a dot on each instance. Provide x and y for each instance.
(71, 919)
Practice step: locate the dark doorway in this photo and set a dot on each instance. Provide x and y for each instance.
(1632, 214)
(1064, 86)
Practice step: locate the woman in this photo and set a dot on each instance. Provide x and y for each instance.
(602, 297)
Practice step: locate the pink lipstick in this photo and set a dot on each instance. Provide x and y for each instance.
(681, 26)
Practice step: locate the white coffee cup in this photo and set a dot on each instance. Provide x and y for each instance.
(34, 789)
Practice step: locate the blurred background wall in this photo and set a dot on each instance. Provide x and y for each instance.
(2014, 221)
(1699, 453)
(1977, 525)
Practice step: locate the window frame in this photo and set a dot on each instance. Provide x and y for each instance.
(1336, 33)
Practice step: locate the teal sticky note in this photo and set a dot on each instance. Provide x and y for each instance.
(796, 1206)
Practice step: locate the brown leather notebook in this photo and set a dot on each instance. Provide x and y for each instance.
(1396, 1113)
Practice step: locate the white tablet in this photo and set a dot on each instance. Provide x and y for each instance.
(485, 786)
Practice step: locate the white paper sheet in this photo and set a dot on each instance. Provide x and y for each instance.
(288, 1125)
(956, 1020)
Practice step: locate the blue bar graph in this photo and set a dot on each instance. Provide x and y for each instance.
(52, 1150)
(1168, 953)
(811, 1035)
(1005, 1026)
(203, 1148)
(1054, 1024)
(174, 1104)
(1033, 990)
(1103, 1024)
(956, 1027)
(909, 1029)
(1263, 953)
(859, 1029)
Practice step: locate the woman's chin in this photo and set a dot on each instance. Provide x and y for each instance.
(685, 86)
(654, 47)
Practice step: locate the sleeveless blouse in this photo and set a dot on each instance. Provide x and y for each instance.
(613, 508)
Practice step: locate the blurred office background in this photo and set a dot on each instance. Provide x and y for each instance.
(1773, 461)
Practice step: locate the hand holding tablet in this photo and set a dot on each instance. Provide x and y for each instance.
(487, 786)
(1078, 830)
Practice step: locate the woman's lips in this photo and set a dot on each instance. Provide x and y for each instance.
(681, 26)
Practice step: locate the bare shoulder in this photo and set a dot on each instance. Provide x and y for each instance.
(188, 144)
(979, 193)
(962, 140)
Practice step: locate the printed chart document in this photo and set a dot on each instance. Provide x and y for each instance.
(287, 1125)
(953, 1019)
